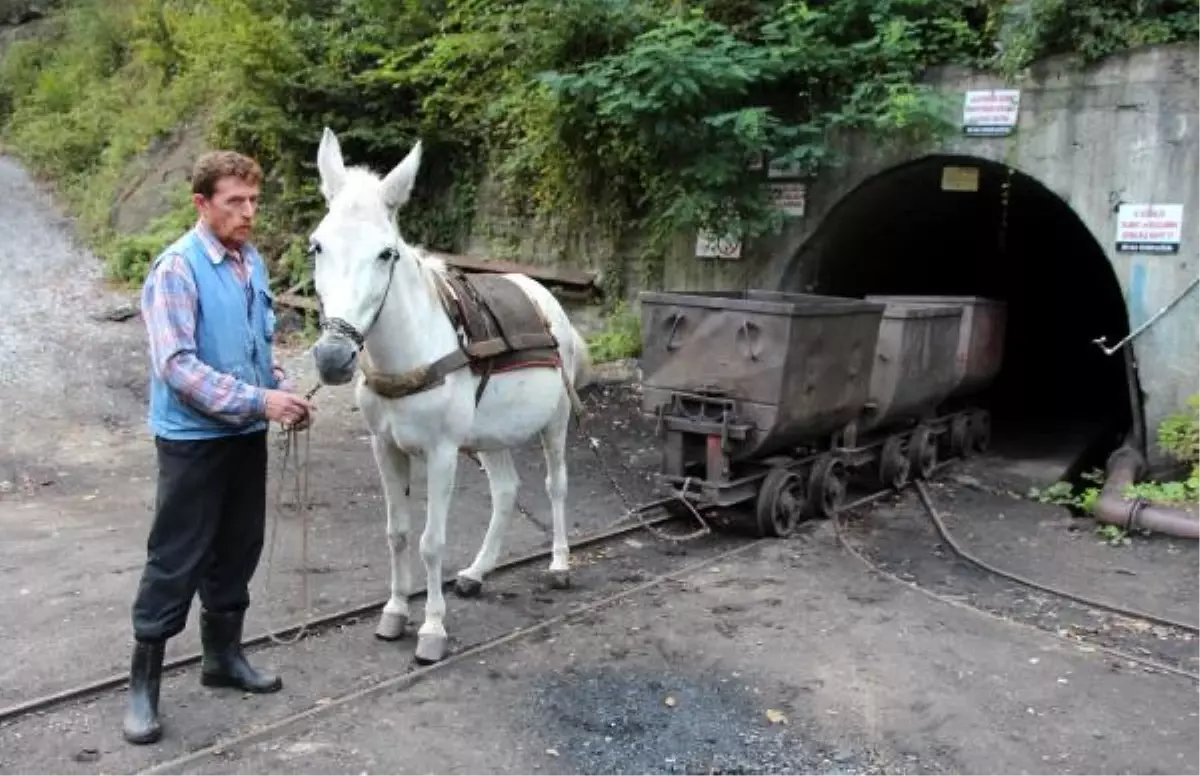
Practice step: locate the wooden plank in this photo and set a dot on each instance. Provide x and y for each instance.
(297, 287)
(295, 300)
(577, 285)
(566, 277)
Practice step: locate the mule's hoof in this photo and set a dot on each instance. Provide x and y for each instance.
(431, 648)
(466, 587)
(391, 626)
(559, 580)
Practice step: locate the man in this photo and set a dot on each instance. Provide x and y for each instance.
(214, 386)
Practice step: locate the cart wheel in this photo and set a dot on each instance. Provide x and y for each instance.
(780, 503)
(893, 463)
(922, 453)
(826, 486)
(960, 436)
(981, 431)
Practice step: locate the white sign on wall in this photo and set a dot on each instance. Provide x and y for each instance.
(991, 112)
(1149, 228)
(780, 169)
(789, 197)
(709, 246)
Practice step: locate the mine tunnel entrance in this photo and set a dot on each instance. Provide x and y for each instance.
(1059, 404)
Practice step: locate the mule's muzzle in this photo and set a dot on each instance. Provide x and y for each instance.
(335, 356)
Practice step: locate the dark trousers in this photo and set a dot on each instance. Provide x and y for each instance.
(207, 534)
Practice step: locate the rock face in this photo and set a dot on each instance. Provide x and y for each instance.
(20, 19)
(22, 11)
(157, 174)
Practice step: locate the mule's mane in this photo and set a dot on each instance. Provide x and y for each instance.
(433, 270)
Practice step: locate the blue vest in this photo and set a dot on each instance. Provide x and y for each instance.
(234, 331)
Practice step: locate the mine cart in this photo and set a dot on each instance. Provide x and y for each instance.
(979, 356)
(776, 398)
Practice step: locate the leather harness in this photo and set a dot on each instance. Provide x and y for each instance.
(484, 343)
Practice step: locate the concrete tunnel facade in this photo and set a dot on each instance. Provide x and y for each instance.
(1086, 141)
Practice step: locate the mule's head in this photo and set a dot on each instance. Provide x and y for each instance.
(354, 250)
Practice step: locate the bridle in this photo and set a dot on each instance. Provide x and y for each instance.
(338, 326)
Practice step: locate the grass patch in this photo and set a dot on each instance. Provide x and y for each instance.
(620, 338)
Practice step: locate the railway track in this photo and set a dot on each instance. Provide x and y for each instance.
(323, 623)
(609, 543)
(717, 547)
(314, 626)
(1186, 629)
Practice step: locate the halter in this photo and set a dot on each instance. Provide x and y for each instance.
(340, 326)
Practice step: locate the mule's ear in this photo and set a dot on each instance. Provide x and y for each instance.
(398, 184)
(330, 165)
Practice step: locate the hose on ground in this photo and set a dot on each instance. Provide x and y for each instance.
(927, 502)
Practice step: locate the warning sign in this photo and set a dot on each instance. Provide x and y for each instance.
(991, 112)
(789, 197)
(710, 246)
(1149, 228)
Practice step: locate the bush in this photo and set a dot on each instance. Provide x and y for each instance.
(620, 338)
(642, 116)
(1179, 434)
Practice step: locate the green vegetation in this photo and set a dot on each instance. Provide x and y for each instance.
(621, 336)
(1063, 493)
(1178, 437)
(635, 117)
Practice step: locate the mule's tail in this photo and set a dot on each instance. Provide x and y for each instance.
(583, 361)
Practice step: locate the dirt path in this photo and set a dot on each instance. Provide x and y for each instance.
(69, 387)
(871, 676)
(787, 659)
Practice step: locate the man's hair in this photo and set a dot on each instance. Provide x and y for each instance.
(215, 165)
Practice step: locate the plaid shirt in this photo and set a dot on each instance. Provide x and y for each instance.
(169, 311)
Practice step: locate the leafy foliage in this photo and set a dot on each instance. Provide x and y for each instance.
(640, 117)
(1178, 436)
(1092, 30)
(1179, 433)
(620, 338)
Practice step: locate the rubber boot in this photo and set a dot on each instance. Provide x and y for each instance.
(224, 664)
(145, 674)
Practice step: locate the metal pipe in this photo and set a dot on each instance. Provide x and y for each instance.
(1099, 341)
(1112, 508)
(1137, 412)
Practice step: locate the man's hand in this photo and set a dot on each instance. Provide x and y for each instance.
(288, 409)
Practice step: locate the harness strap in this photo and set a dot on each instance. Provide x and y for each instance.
(397, 386)
(482, 350)
(422, 378)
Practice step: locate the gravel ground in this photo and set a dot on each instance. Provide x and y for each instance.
(1155, 575)
(785, 659)
(625, 720)
(66, 393)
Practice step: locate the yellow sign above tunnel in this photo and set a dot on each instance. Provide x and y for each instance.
(960, 178)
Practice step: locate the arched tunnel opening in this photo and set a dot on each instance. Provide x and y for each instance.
(1059, 403)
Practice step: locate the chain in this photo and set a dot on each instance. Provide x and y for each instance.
(1005, 194)
(638, 512)
(545, 529)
